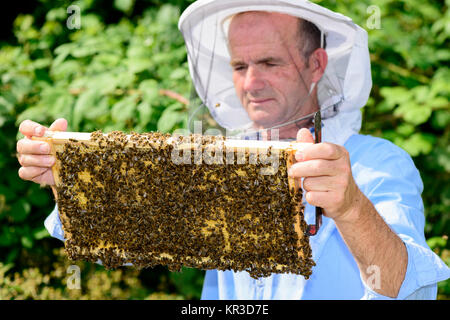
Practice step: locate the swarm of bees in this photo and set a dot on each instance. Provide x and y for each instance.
(122, 200)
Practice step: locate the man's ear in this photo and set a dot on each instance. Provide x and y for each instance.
(318, 61)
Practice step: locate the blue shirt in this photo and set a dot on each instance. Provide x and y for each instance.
(388, 177)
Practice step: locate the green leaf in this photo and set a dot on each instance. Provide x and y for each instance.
(14, 182)
(38, 197)
(27, 241)
(145, 112)
(439, 103)
(66, 70)
(62, 108)
(8, 193)
(421, 94)
(179, 73)
(41, 63)
(84, 51)
(87, 101)
(168, 14)
(406, 129)
(20, 210)
(443, 158)
(104, 83)
(188, 282)
(440, 119)
(102, 109)
(7, 237)
(106, 60)
(41, 234)
(36, 113)
(6, 107)
(169, 118)
(396, 95)
(125, 79)
(56, 14)
(124, 109)
(413, 113)
(149, 90)
(437, 242)
(20, 86)
(419, 143)
(136, 65)
(124, 5)
(62, 52)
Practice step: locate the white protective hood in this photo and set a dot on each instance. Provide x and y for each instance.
(342, 91)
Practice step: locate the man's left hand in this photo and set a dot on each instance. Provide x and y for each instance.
(328, 179)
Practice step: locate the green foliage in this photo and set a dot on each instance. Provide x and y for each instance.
(105, 76)
(95, 283)
(102, 76)
(439, 245)
(118, 72)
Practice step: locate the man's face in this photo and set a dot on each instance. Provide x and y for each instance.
(269, 72)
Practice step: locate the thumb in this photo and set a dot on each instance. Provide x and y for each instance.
(304, 135)
(59, 125)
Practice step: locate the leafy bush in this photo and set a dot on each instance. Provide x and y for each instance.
(131, 75)
(57, 284)
(126, 69)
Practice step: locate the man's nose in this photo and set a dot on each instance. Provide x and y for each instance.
(254, 80)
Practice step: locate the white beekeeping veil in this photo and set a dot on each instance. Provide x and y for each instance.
(342, 91)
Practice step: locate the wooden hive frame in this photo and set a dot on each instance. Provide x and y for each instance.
(122, 201)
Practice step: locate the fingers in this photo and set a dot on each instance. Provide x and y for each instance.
(35, 156)
(37, 174)
(44, 161)
(318, 184)
(30, 128)
(32, 173)
(27, 146)
(36, 161)
(318, 198)
(304, 135)
(59, 125)
(327, 151)
(312, 168)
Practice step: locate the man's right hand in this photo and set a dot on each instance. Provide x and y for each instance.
(35, 156)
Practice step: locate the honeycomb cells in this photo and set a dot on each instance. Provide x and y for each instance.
(122, 199)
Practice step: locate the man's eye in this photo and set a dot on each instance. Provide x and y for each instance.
(238, 68)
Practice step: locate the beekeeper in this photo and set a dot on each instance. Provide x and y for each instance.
(267, 66)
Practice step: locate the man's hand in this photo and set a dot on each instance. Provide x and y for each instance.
(34, 156)
(329, 184)
(328, 179)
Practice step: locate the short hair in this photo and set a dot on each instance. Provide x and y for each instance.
(309, 37)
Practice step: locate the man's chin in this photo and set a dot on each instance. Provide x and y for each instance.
(264, 123)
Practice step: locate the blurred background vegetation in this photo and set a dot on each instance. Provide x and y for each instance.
(125, 69)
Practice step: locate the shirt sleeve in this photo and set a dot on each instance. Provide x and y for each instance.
(210, 289)
(420, 282)
(395, 190)
(53, 225)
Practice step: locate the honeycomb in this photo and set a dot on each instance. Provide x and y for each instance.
(122, 199)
